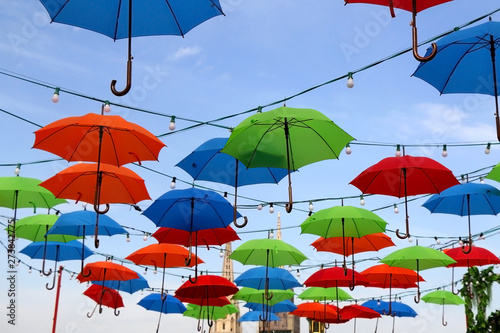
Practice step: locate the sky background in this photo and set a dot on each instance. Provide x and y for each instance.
(261, 52)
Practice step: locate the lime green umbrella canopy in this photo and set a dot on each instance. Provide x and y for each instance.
(258, 295)
(23, 192)
(443, 297)
(35, 227)
(494, 174)
(321, 294)
(209, 312)
(267, 252)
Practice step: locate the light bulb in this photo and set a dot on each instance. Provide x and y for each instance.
(17, 170)
(350, 80)
(145, 238)
(445, 151)
(145, 271)
(362, 200)
(221, 253)
(396, 209)
(128, 238)
(438, 241)
(311, 206)
(271, 208)
(155, 271)
(29, 270)
(171, 126)
(18, 262)
(409, 239)
(55, 97)
(487, 150)
(172, 184)
(398, 150)
(289, 268)
(298, 272)
(106, 108)
(271, 234)
(348, 149)
(183, 279)
(460, 242)
(481, 236)
(462, 179)
(259, 207)
(481, 180)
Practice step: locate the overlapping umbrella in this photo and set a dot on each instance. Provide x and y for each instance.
(162, 303)
(104, 296)
(335, 277)
(442, 297)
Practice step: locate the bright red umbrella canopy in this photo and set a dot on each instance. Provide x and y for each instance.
(205, 287)
(385, 276)
(402, 4)
(104, 296)
(478, 256)
(214, 236)
(357, 311)
(334, 277)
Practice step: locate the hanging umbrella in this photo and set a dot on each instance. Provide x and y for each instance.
(442, 297)
(283, 138)
(103, 296)
(494, 174)
(255, 315)
(283, 306)
(81, 223)
(208, 163)
(268, 253)
(206, 237)
(22, 192)
(470, 256)
(343, 221)
(403, 176)
(466, 200)
(258, 295)
(190, 210)
(355, 311)
(34, 228)
(317, 311)
(417, 258)
(209, 312)
(385, 276)
(161, 256)
(129, 286)
(413, 6)
(119, 19)
(398, 310)
(278, 278)
(367, 243)
(164, 304)
(465, 62)
(325, 294)
(57, 251)
(335, 277)
(106, 270)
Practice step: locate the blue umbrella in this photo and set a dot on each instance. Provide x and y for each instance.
(114, 19)
(129, 286)
(398, 309)
(466, 200)
(465, 63)
(57, 251)
(279, 278)
(256, 315)
(207, 162)
(82, 223)
(283, 306)
(168, 304)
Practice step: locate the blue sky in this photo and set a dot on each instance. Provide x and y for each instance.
(259, 53)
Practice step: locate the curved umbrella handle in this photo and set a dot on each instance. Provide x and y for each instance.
(187, 261)
(351, 287)
(90, 314)
(199, 328)
(241, 225)
(407, 229)
(193, 281)
(86, 275)
(262, 319)
(289, 205)
(53, 282)
(414, 37)
(268, 295)
(43, 270)
(98, 211)
(117, 312)
(327, 326)
(210, 323)
(445, 323)
(129, 80)
(417, 298)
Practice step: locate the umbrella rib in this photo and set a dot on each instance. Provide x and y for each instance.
(175, 18)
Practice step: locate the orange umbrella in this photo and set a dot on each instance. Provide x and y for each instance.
(98, 138)
(106, 270)
(385, 276)
(104, 296)
(114, 185)
(321, 312)
(162, 256)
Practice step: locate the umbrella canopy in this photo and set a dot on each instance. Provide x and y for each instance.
(465, 63)
(169, 304)
(163, 256)
(34, 228)
(283, 306)
(494, 174)
(413, 6)
(129, 286)
(117, 184)
(335, 277)
(417, 258)
(206, 287)
(371, 242)
(104, 296)
(114, 19)
(477, 256)
(209, 312)
(205, 237)
(109, 139)
(317, 311)
(279, 278)
(283, 137)
(358, 311)
(398, 309)
(267, 252)
(442, 297)
(258, 295)
(323, 294)
(106, 270)
(207, 162)
(403, 176)
(80, 224)
(256, 315)
(466, 200)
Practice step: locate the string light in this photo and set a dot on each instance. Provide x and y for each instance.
(410, 239)
(29, 270)
(259, 207)
(145, 238)
(221, 253)
(445, 151)
(311, 206)
(460, 241)
(350, 80)
(183, 279)
(398, 150)
(481, 236)
(271, 208)
(17, 170)
(55, 97)
(271, 233)
(128, 238)
(462, 179)
(488, 148)
(362, 200)
(106, 108)
(173, 183)
(171, 126)
(481, 180)
(438, 241)
(396, 209)
(348, 149)
(298, 272)
(145, 271)
(289, 268)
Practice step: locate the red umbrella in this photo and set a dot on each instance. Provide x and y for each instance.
(207, 237)
(478, 256)
(106, 270)
(104, 296)
(355, 311)
(335, 277)
(403, 176)
(413, 6)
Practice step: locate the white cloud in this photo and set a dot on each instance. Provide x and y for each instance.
(185, 52)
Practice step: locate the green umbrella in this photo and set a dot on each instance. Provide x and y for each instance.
(324, 294)
(252, 295)
(209, 312)
(417, 258)
(343, 221)
(22, 192)
(286, 138)
(35, 227)
(443, 297)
